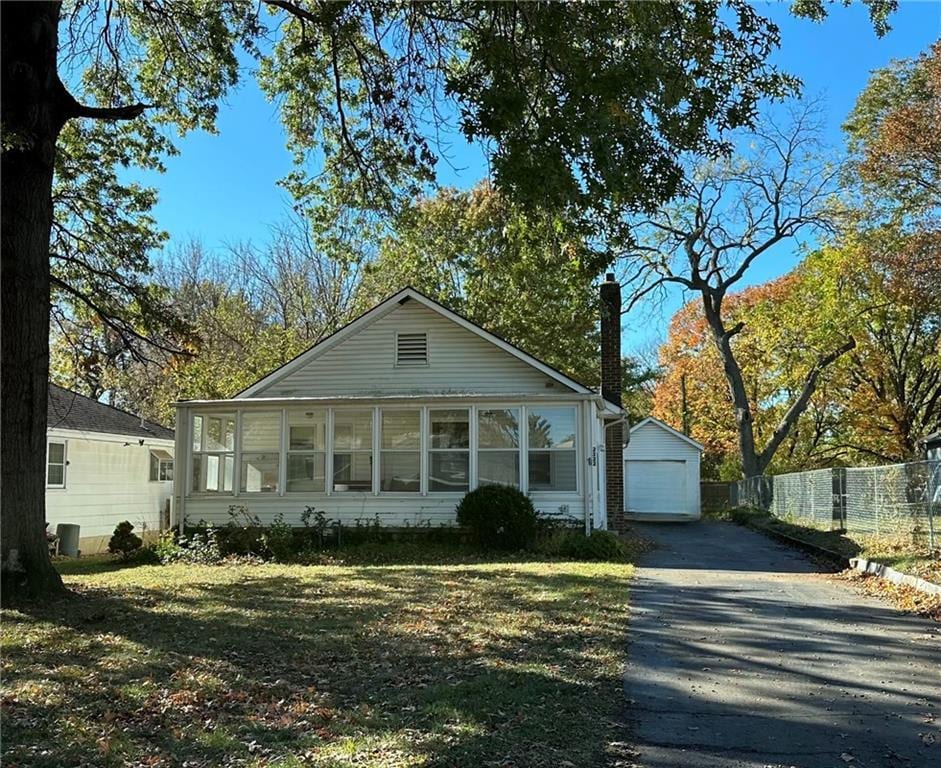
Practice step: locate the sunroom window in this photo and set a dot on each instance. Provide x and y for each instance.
(552, 462)
(352, 450)
(400, 460)
(307, 431)
(449, 450)
(498, 442)
(261, 451)
(213, 453)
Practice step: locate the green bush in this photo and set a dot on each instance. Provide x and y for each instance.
(201, 547)
(499, 517)
(573, 544)
(124, 542)
(279, 540)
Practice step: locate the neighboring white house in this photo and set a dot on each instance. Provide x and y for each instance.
(103, 466)
(661, 473)
(396, 416)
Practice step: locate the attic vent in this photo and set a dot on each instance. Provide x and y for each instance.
(411, 349)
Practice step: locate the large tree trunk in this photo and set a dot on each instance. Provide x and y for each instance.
(751, 464)
(32, 118)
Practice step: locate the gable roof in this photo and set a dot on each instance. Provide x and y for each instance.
(69, 410)
(385, 307)
(666, 428)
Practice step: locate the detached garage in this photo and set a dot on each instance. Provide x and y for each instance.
(661, 473)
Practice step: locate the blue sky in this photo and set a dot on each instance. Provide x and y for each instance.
(223, 188)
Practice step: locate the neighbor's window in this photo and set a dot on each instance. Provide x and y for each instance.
(449, 450)
(161, 466)
(213, 453)
(261, 452)
(55, 465)
(400, 459)
(307, 432)
(498, 442)
(352, 450)
(552, 464)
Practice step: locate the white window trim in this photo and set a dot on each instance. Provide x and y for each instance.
(65, 464)
(287, 452)
(235, 453)
(380, 450)
(471, 477)
(330, 480)
(550, 494)
(426, 451)
(160, 463)
(520, 422)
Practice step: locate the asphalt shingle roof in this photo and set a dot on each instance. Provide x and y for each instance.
(70, 410)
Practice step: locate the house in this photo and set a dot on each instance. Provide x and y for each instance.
(396, 416)
(103, 466)
(932, 446)
(661, 473)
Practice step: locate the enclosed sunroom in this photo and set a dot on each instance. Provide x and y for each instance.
(395, 417)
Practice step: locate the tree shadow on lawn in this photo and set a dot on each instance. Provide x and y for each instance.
(456, 665)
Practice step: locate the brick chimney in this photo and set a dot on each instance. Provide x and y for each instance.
(611, 391)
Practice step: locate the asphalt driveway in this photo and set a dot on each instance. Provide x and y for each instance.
(741, 654)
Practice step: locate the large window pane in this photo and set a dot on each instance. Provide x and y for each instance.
(498, 428)
(259, 473)
(220, 433)
(57, 453)
(352, 430)
(450, 428)
(352, 471)
(498, 468)
(212, 473)
(306, 430)
(400, 471)
(551, 427)
(197, 433)
(56, 474)
(552, 471)
(306, 472)
(401, 429)
(449, 471)
(261, 431)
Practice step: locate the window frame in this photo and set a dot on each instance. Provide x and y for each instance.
(277, 451)
(332, 449)
(235, 452)
(420, 450)
(469, 450)
(521, 419)
(162, 462)
(575, 450)
(64, 463)
(289, 452)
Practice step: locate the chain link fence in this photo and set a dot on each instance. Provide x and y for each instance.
(898, 499)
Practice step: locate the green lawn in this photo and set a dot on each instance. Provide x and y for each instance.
(507, 664)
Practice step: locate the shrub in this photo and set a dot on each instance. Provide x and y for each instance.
(201, 547)
(600, 545)
(124, 542)
(499, 516)
(573, 544)
(279, 540)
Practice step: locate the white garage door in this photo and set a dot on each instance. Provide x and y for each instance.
(656, 486)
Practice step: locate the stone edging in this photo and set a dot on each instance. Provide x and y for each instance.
(863, 565)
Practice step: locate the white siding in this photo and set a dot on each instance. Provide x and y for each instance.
(106, 482)
(392, 511)
(653, 451)
(459, 361)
